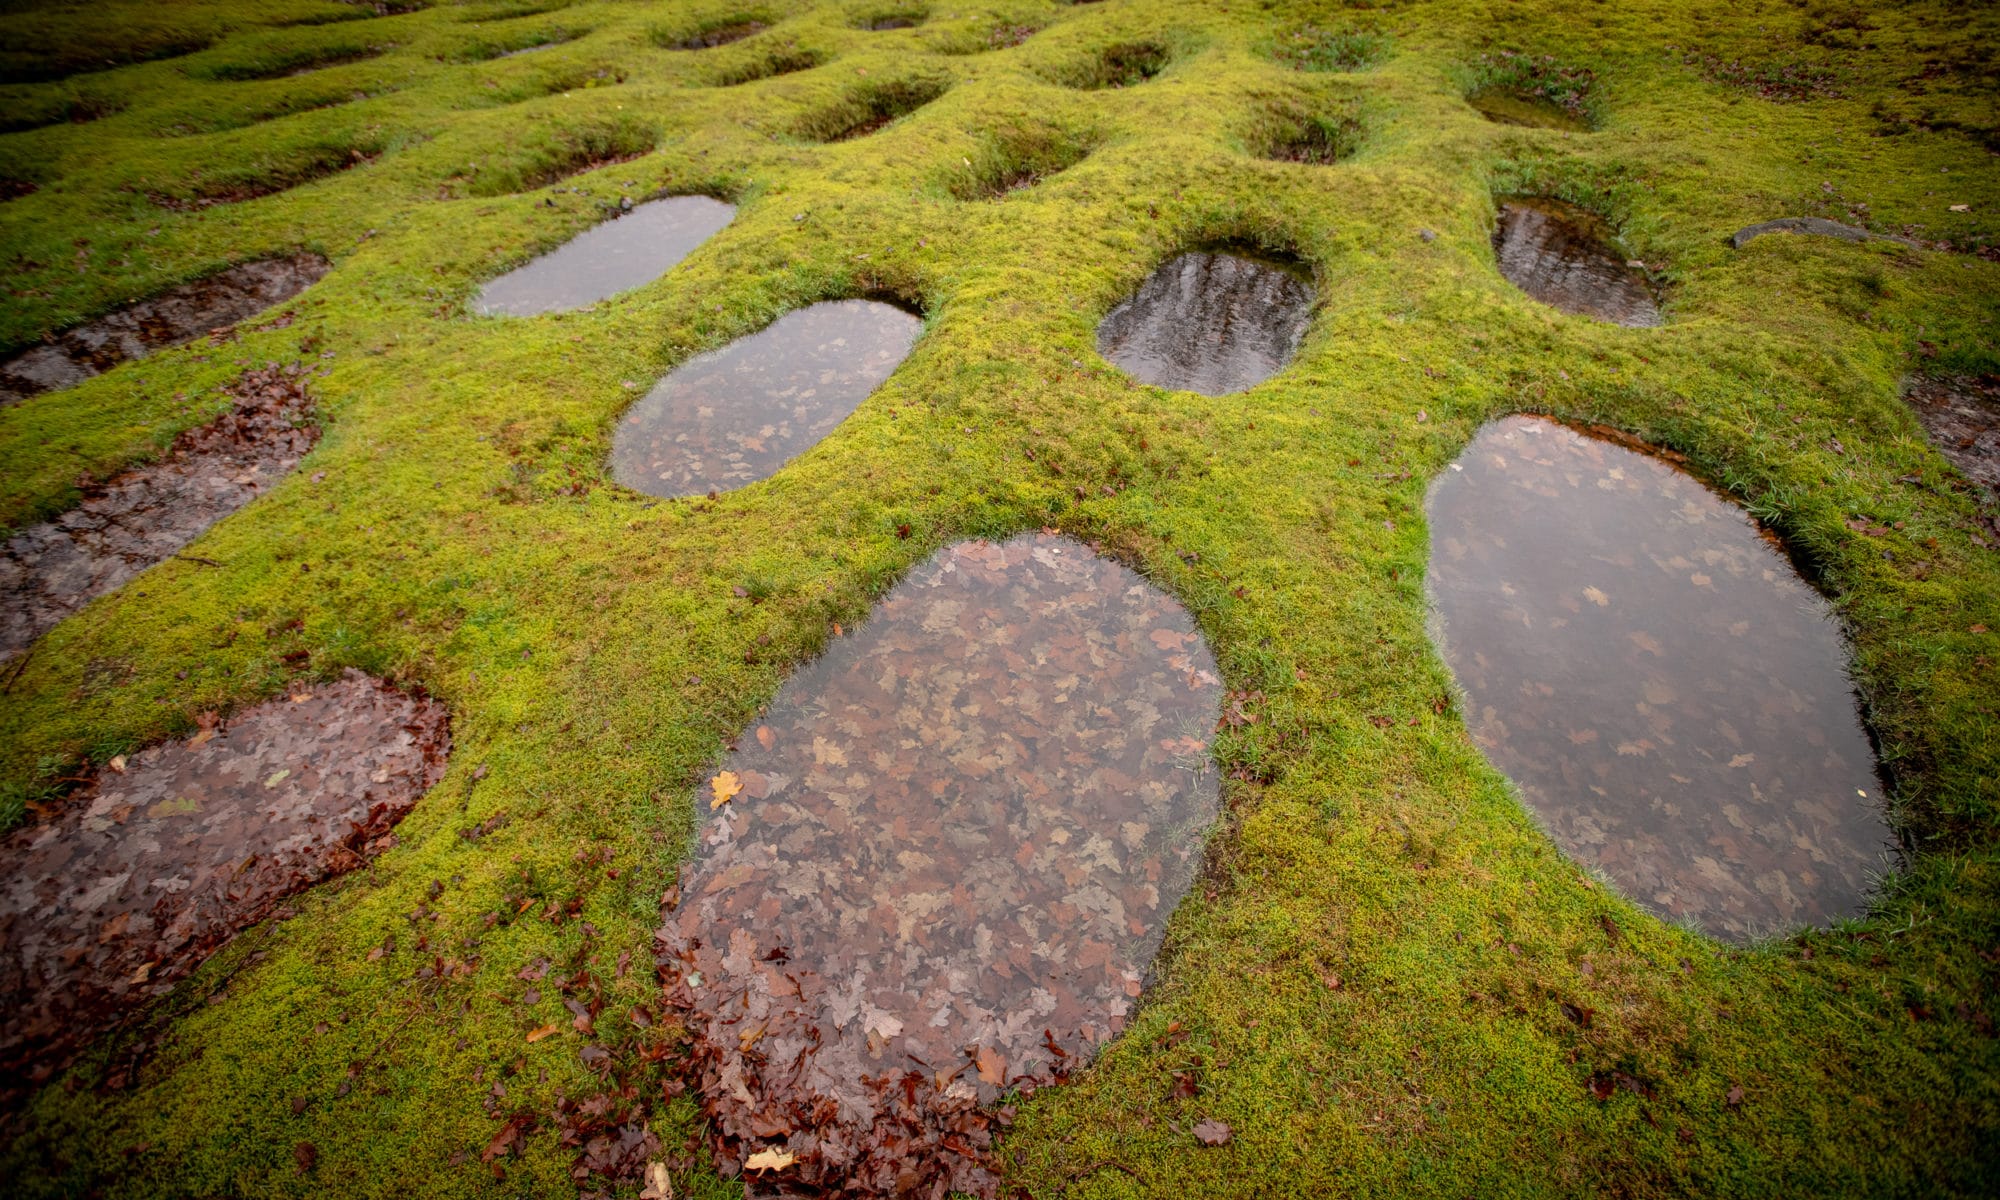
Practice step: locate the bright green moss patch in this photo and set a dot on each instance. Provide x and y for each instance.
(1380, 984)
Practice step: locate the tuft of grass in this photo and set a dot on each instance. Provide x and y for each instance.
(1312, 48)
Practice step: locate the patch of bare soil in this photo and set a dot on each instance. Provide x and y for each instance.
(148, 513)
(156, 865)
(168, 319)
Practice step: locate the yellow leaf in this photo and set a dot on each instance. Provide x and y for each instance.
(117, 764)
(726, 785)
(536, 1035)
(278, 778)
(768, 1160)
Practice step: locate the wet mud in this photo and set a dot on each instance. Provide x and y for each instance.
(1504, 106)
(1962, 416)
(147, 514)
(154, 867)
(621, 254)
(736, 415)
(168, 319)
(955, 847)
(1209, 322)
(1816, 227)
(1564, 257)
(1648, 668)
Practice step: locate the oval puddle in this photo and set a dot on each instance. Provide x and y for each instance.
(1668, 694)
(621, 254)
(1562, 256)
(168, 319)
(152, 868)
(1209, 322)
(958, 839)
(142, 516)
(735, 415)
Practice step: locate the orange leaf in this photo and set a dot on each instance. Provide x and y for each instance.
(537, 1035)
(726, 785)
(992, 1066)
(765, 737)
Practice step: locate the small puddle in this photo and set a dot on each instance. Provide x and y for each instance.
(1668, 694)
(1563, 256)
(958, 840)
(616, 256)
(147, 514)
(735, 415)
(1814, 227)
(1209, 322)
(1962, 416)
(168, 319)
(150, 870)
(1504, 106)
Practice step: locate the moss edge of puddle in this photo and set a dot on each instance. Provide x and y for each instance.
(597, 660)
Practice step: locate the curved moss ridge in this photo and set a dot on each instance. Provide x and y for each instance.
(1668, 694)
(623, 253)
(736, 415)
(1210, 321)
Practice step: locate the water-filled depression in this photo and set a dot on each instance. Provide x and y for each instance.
(1209, 322)
(735, 415)
(621, 254)
(1667, 692)
(957, 840)
(1564, 257)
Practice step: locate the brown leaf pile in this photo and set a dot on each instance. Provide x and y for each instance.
(148, 513)
(158, 865)
(957, 841)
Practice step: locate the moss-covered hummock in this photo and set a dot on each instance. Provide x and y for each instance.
(1379, 986)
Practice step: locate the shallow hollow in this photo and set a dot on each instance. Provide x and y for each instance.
(945, 857)
(616, 256)
(155, 866)
(1210, 321)
(1318, 139)
(1013, 160)
(868, 108)
(1665, 690)
(1122, 65)
(1512, 106)
(1568, 258)
(736, 415)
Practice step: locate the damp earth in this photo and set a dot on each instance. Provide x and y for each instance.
(1962, 416)
(626, 252)
(956, 843)
(168, 319)
(735, 415)
(1564, 257)
(1210, 322)
(147, 514)
(1668, 694)
(168, 854)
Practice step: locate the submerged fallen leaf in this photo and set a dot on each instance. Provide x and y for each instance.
(726, 785)
(769, 1160)
(992, 1065)
(1213, 1133)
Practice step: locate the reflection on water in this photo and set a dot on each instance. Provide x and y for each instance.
(614, 257)
(959, 836)
(1561, 255)
(735, 415)
(1210, 323)
(1668, 694)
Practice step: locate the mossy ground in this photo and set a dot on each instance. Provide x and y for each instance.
(456, 527)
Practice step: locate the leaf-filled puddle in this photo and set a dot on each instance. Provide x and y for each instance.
(1962, 416)
(148, 513)
(941, 863)
(1563, 256)
(1209, 322)
(154, 866)
(1667, 692)
(621, 254)
(735, 415)
(172, 317)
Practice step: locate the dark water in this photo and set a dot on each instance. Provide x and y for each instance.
(735, 415)
(1814, 227)
(617, 256)
(1210, 323)
(959, 837)
(1504, 107)
(1962, 416)
(170, 318)
(1561, 256)
(1670, 697)
(153, 867)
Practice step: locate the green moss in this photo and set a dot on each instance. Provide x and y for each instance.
(461, 531)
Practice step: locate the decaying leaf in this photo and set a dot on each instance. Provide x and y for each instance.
(992, 1065)
(726, 786)
(1213, 1133)
(659, 1186)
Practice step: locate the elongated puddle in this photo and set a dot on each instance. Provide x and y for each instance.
(1563, 256)
(958, 839)
(617, 256)
(1209, 322)
(1668, 694)
(147, 514)
(735, 415)
(172, 317)
(154, 867)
